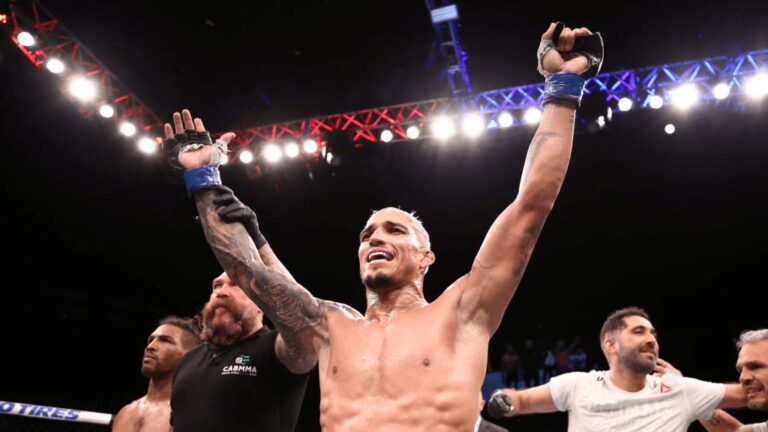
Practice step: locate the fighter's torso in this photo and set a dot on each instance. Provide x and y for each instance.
(420, 371)
(144, 416)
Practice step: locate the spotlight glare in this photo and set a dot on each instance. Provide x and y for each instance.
(669, 128)
(625, 104)
(443, 128)
(656, 102)
(505, 119)
(26, 39)
(291, 149)
(128, 129)
(329, 157)
(246, 156)
(757, 86)
(387, 135)
(532, 115)
(685, 96)
(473, 125)
(310, 146)
(413, 132)
(55, 65)
(272, 153)
(147, 145)
(721, 91)
(609, 114)
(106, 111)
(600, 121)
(83, 89)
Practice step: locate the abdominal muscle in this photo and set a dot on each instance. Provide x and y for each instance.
(418, 372)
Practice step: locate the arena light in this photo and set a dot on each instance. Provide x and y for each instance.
(246, 156)
(329, 158)
(82, 88)
(721, 91)
(473, 125)
(600, 121)
(669, 128)
(310, 146)
(106, 111)
(55, 65)
(413, 132)
(128, 129)
(757, 86)
(386, 135)
(532, 115)
(625, 104)
(3, 19)
(272, 153)
(685, 96)
(655, 102)
(609, 114)
(291, 149)
(147, 145)
(26, 39)
(505, 119)
(443, 128)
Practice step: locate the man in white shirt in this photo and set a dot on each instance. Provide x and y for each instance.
(625, 397)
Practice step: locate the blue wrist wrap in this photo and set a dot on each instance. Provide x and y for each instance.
(564, 85)
(202, 176)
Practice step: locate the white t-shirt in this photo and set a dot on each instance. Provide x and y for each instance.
(667, 404)
(760, 427)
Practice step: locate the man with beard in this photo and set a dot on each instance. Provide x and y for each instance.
(625, 397)
(234, 381)
(406, 364)
(166, 345)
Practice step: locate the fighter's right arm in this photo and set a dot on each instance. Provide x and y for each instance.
(125, 418)
(298, 316)
(531, 401)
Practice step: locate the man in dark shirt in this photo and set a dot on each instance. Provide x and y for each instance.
(234, 381)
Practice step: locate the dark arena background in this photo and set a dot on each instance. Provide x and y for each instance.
(100, 241)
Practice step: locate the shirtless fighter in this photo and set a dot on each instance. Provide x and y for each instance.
(406, 365)
(165, 347)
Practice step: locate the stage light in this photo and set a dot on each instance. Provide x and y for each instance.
(669, 128)
(329, 157)
(505, 119)
(625, 104)
(473, 125)
(721, 91)
(685, 96)
(272, 153)
(310, 146)
(26, 39)
(83, 89)
(757, 86)
(609, 114)
(54, 65)
(3, 19)
(291, 149)
(443, 128)
(147, 145)
(656, 102)
(106, 111)
(387, 135)
(600, 121)
(413, 132)
(532, 115)
(246, 156)
(128, 129)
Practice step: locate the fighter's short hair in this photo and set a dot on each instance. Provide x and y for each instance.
(751, 336)
(191, 333)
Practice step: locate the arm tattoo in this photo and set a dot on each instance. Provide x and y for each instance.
(538, 140)
(287, 304)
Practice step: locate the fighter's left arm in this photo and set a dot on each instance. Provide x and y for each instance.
(504, 254)
(735, 397)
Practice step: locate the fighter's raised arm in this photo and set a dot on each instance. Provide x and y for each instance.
(297, 315)
(504, 254)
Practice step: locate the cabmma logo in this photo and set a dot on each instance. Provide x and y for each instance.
(241, 367)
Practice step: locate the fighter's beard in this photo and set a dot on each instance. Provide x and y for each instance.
(239, 323)
(378, 282)
(635, 362)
